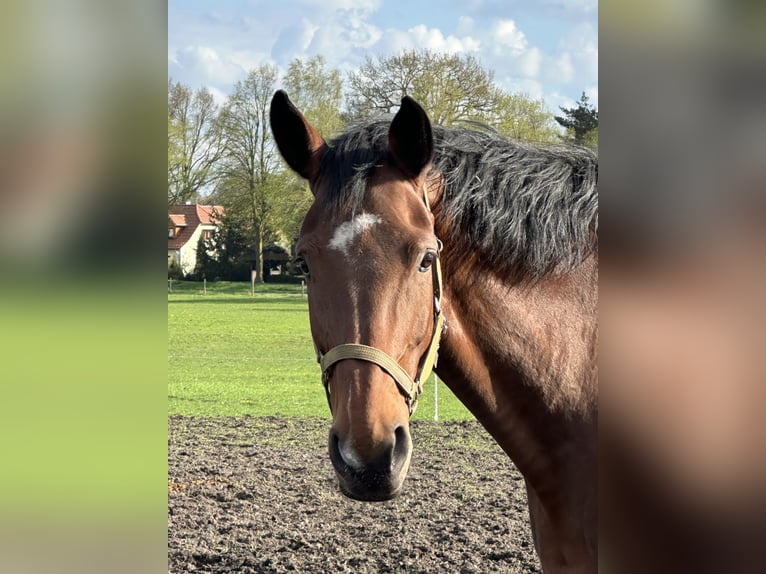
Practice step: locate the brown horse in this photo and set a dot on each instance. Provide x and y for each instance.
(512, 229)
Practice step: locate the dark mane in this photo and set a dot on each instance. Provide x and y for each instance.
(528, 209)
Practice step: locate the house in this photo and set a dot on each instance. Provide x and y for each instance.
(186, 224)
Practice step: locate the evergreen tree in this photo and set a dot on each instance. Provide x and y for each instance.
(580, 121)
(206, 264)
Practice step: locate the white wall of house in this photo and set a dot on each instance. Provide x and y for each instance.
(188, 257)
(188, 253)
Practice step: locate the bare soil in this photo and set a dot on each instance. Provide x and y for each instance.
(260, 495)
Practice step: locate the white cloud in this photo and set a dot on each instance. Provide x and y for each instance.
(506, 35)
(556, 100)
(465, 26)
(532, 88)
(530, 62)
(394, 41)
(525, 56)
(215, 68)
(433, 39)
(511, 51)
(581, 46)
(247, 60)
(420, 37)
(208, 62)
(343, 39)
(592, 93)
(293, 41)
(367, 6)
(560, 69)
(573, 7)
(219, 96)
(582, 36)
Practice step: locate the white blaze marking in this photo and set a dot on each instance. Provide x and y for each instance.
(347, 232)
(342, 240)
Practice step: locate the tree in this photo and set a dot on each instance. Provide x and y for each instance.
(248, 157)
(524, 119)
(194, 143)
(223, 255)
(174, 270)
(206, 264)
(291, 200)
(591, 139)
(452, 87)
(317, 92)
(579, 121)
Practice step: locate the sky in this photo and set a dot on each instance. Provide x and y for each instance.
(543, 48)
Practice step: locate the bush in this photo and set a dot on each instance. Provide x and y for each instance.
(220, 257)
(174, 270)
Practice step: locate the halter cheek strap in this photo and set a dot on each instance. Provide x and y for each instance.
(409, 387)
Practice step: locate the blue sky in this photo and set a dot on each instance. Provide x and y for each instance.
(545, 48)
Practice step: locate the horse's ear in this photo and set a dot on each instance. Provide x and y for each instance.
(299, 143)
(411, 138)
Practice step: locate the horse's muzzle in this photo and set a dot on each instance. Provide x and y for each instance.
(378, 478)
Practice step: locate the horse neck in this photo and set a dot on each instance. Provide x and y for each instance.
(521, 357)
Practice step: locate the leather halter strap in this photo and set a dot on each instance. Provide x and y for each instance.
(409, 387)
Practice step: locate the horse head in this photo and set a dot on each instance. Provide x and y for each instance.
(368, 249)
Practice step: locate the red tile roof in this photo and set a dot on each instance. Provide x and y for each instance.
(193, 216)
(209, 213)
(179, 220)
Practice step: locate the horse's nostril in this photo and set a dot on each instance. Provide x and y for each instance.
(375, 472)
(402, 442)
(342, 453)
(387, 454)
(334, 444)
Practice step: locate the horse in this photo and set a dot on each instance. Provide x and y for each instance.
(422, 237)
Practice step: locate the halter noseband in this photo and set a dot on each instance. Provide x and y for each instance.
(408, 386)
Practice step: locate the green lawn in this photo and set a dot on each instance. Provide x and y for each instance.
(231, 354)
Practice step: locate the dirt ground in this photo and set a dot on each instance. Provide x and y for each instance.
(260, 495)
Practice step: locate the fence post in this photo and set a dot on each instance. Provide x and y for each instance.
(436, 398)
(303, 287)
(204, 286)
(170, 285)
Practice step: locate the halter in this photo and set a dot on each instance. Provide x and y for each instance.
(408, 386)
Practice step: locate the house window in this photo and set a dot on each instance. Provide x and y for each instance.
(207, 234)
(171, 233)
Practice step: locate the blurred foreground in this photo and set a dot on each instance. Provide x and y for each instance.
(683, 276)
(82, 415)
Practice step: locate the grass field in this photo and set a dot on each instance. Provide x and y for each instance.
(232, 354)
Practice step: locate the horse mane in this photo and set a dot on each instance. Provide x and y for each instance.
(524, 209)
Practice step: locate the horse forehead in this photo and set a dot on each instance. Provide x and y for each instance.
(347, 233)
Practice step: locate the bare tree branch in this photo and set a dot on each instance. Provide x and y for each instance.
(194, 142)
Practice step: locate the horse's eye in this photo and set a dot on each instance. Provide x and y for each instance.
(301, 265)
(427, 261)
